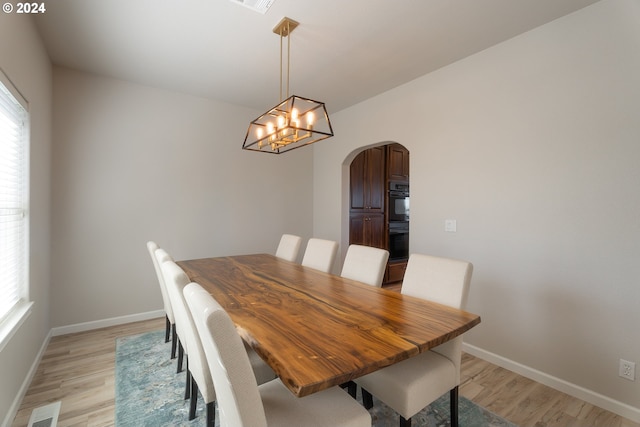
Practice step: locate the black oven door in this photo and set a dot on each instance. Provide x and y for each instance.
(398, 206)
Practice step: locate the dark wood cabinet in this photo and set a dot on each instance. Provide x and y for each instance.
(367, 181)
(395, 272)
(397, 163)
(367, 229)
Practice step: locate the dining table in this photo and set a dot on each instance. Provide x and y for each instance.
(317, 330)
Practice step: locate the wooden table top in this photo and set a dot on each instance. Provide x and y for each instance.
(317, 330)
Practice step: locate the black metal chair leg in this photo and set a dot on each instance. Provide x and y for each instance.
(174, 341)
(405, 422)
(211, 414)
(367, 399)
(453, 397)
(180, 357)
(194, 400)
(167, 329)
(188, 383)
(351, 387)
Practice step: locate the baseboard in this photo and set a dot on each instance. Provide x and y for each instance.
(590, 396)
(97, 324)
(15, 406)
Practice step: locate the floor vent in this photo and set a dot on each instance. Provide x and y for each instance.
(45, 416)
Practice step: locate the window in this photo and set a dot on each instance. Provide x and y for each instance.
(14, 198)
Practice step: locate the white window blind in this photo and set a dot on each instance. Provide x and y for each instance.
(13, 198)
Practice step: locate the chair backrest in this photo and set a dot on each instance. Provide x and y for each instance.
(171, 276)
(365, 264)
(176, 280)
(289, 247)
(445, 281)
(152, 247)
(320, 254)
(239, 401)
(442, 280)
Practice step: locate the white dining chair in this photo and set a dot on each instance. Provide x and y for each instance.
(161, 257)
(170, 331)
(409, 386)
(198, 374)
(365, 264)
(241, 402)
(289, 247)
(320, 254)
(198, 377)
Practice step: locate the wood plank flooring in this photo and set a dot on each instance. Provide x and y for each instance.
(78, 369)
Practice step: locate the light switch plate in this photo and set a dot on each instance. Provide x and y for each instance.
(450, 225)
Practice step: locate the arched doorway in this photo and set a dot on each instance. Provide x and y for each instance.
(379, 204)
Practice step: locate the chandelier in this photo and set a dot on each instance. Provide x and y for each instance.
(295, 121)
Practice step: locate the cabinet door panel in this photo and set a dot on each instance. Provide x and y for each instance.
(367, 181)
(367, 229)
(397, 162)
(358, 181)
(376, 179)
(357, 229)
(376, 231)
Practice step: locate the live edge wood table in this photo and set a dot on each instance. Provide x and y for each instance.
(317, 330)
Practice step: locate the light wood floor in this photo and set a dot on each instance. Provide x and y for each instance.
(78, 369)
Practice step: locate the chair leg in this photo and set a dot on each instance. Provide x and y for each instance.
(174, 340)
(194, 400)
(367, 399)
(211, 414)
(188, 383)
(180, 357)
(453, 397)
(405, 422)
(167, 328)
(351, 387)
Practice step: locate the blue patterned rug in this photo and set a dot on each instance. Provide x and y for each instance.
(150, 393)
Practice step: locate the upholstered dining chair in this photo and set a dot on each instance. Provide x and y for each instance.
(170, 332)
(241, 402)
(320, 254)
(170, 329)
(198, 374)
(365, 264)
(412, 384)
(289, 247)
(161, 257)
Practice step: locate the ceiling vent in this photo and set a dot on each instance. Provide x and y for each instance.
(260, 6)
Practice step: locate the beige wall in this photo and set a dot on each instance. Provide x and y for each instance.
(133, 164)
(24, 60)
(533, 147)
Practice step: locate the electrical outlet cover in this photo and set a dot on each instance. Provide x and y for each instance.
(627, 370)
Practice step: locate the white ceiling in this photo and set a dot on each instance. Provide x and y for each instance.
(343, 52)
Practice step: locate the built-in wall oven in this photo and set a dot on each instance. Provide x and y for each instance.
(398, 201)
(398, 220)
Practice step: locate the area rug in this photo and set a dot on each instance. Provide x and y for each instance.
(149, 392)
